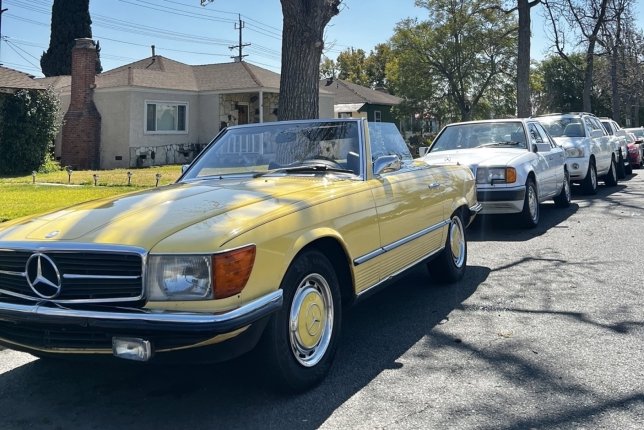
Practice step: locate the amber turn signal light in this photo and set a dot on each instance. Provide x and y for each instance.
(231, 270)
(510, 175)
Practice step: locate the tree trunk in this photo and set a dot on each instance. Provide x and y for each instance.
(302, 45)
(523, 61)
(588, 77)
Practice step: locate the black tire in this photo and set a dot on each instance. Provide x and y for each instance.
(530, 214)
(449, 266)
(299, 343)
(628, 169)
(564, 197)
(589, 184)
(611, 177)
(621, 171)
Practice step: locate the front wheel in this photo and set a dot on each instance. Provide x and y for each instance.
(301, 339)
(589, 184)
(628, 169)
(530, 213)
(450, 264)
(564, 197)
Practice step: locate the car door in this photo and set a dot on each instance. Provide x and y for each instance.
(409, 203)
(556, 161)
(540, 164)
(601, 145)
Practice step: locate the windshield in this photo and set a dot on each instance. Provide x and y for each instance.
(477, 135)
(637, 132)
(563, 126)
(264, 147)
(386, 140)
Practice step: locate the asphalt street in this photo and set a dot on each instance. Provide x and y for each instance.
(546, 331)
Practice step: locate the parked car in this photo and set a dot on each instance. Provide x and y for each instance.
(516, 164)
(263, 241)
(589, 152)
(638, 132)
(620, 146)
(634, 151)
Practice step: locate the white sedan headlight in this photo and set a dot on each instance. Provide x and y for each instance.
(575, 152)
(492, 175)
(179, 277)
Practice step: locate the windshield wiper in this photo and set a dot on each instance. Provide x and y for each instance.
(306, 168)
(507, 142)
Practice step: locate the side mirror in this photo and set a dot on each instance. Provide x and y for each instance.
(541, 147)
(184, 167)
(386, 163)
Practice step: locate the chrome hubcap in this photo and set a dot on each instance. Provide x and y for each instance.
(593, 177)
(457, 241)
(533, 204)
(311, 320)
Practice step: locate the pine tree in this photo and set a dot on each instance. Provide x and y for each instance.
(70, 20)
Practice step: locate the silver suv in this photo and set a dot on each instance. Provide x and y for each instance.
(620, 146)
(589, 152)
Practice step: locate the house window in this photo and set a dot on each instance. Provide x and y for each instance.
(165, 117)
(344, 115)
(377, 116)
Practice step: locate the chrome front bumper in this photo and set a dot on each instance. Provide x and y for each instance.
(42, 319)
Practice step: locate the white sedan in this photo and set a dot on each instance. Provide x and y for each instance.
(516, 163)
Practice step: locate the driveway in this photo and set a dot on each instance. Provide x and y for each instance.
(545, 331)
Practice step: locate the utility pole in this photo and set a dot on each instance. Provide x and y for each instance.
(241, 45)
(1, 12)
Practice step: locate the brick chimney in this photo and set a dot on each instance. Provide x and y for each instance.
(82, 128)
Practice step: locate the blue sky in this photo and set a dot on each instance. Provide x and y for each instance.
(186, 32)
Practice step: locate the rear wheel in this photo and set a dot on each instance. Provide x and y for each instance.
(564, 197)
(301, 339)
(611, 177)
(589, 184)
(449, 266)
(530, 214)
(629, 169)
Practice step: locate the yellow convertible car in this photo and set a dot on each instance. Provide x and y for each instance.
(267, 236)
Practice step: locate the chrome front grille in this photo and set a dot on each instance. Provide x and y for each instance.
(92, 276)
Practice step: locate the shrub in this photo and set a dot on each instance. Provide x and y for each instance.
(29, 122)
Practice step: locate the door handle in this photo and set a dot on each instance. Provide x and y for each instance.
(434, 185)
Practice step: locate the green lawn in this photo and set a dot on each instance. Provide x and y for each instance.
(20, 197)
(118, 177)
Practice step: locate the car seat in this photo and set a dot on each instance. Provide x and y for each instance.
(574, 130)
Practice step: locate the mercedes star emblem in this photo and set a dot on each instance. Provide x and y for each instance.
(43, 276)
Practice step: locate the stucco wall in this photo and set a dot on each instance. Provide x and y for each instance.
(64, 105)
(208, 116)
(114, 107)
(326, 106)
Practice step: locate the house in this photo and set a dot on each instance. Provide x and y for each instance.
(352, 100)
(12, 80)
(157, 111)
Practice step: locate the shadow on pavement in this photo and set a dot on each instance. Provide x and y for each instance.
(61, 394)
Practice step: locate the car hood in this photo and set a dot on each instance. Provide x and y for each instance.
(144, 218)
(476, 157)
